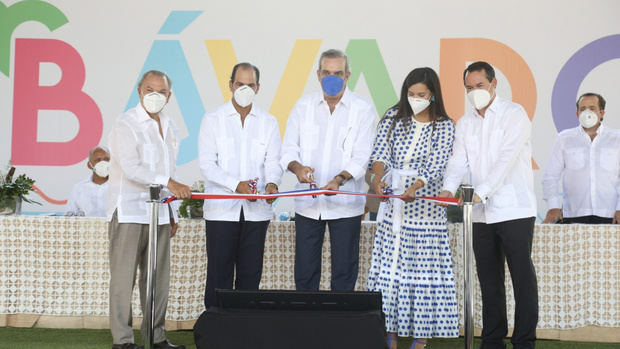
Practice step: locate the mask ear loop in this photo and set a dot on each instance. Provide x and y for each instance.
(491, 85)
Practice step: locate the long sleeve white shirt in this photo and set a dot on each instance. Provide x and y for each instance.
(140, 157)
(330, 143)
(89, 198)
(589, 171)
(496, 151)
(230, 153)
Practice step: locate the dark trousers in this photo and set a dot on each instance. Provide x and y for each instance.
(234, 248)
(344, 237)
(509, 241)
(587, 220)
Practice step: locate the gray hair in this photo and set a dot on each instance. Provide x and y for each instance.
(333, 53)
(157, 73)
(92, 151)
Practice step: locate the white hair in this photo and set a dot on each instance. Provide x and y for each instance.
(92, 151)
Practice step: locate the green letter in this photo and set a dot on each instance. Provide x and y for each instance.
(365, 57)
(20, 12)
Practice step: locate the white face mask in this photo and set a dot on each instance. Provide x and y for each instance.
(154, 102)
(588, 118)
(102, 168)
(244, 96)
(479, 98)
(418, 104)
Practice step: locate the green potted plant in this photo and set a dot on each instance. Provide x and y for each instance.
(13, 192)
(192, 208)
(455, 213)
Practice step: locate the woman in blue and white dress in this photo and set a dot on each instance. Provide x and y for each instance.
(411, 259)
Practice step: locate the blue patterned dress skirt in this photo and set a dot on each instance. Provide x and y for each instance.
(412, 262)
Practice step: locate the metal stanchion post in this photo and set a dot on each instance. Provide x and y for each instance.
(151, 271)
(467, 193)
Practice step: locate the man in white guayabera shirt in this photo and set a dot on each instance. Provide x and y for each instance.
(493, 144)
(586, 159)
(143, 147)
(89, 196)
(329, 137)
(239, 152)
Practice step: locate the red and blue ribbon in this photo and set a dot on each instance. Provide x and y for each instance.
(254, 185)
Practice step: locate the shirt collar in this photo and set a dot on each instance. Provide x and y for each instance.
(231, 111)
(141, 113)
(599, 130)
(493, 107)
(495, 104)
(345, 99)
(93, 182)
(143, 116)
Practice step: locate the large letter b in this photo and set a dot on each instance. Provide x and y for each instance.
(29, 97)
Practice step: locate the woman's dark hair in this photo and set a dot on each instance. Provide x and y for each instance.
(429, 78)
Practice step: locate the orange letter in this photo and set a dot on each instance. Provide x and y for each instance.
(456, 53)
(454, 57)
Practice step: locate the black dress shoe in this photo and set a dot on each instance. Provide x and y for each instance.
(126, 346)
(167, 345)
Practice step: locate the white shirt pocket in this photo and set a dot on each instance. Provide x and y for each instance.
(309, 141)
(609, 159)
(225, 149)
(497, 139)
(258, 151)
(472, 145)
(150, 153)
(575, 158)
(504, 197)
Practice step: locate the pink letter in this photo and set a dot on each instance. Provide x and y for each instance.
(29, 97)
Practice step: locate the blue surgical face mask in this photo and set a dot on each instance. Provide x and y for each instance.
(332, 85)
